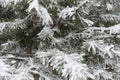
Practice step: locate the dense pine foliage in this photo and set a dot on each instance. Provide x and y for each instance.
(59, 40)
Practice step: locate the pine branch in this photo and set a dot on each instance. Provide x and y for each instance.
(7, 27)
(16, 54)
(105, 33)
(15, 58)
(112, 18)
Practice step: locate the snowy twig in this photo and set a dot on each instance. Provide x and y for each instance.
(16, 58)
(17, 54)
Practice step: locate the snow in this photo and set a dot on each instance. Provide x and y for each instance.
(107, 50)
(101, 48)
(46, 33)
(92, 44)
(115, 29)
(57, 42)
(41, 12)
(89, 22)
(70, 65)
(71, 35)
(97, 4)
(86, 21)
(67, 12)
(2, 27)
(7, 3)
(8, 46)
(117, 52)
(111, 18)
(109, 6)
(102, 73)
(4, 69)
(69, 62)
(8, 26)
(78, 71)
(22, 73)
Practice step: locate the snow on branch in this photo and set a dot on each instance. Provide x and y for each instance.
(93, 45)
(96, 33)
(10, 46)
(6, 3)
(67, 12)
(115, 29)
(4, 70)
(111, 18)
(27, 72)
(102, 74)
(57, 42)
(71, 65)
(10, 26)
(109, 6)
(23, 71)
(46, 33)
(41, 12)
(86, 21)
(68, 65)
(99, 47)
(71, 11)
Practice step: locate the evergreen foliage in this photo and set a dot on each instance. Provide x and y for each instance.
(59, 40)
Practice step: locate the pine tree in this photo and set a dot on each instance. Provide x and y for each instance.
(59, 40)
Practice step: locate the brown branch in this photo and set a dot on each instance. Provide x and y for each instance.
(17, 54)
(15, 58)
